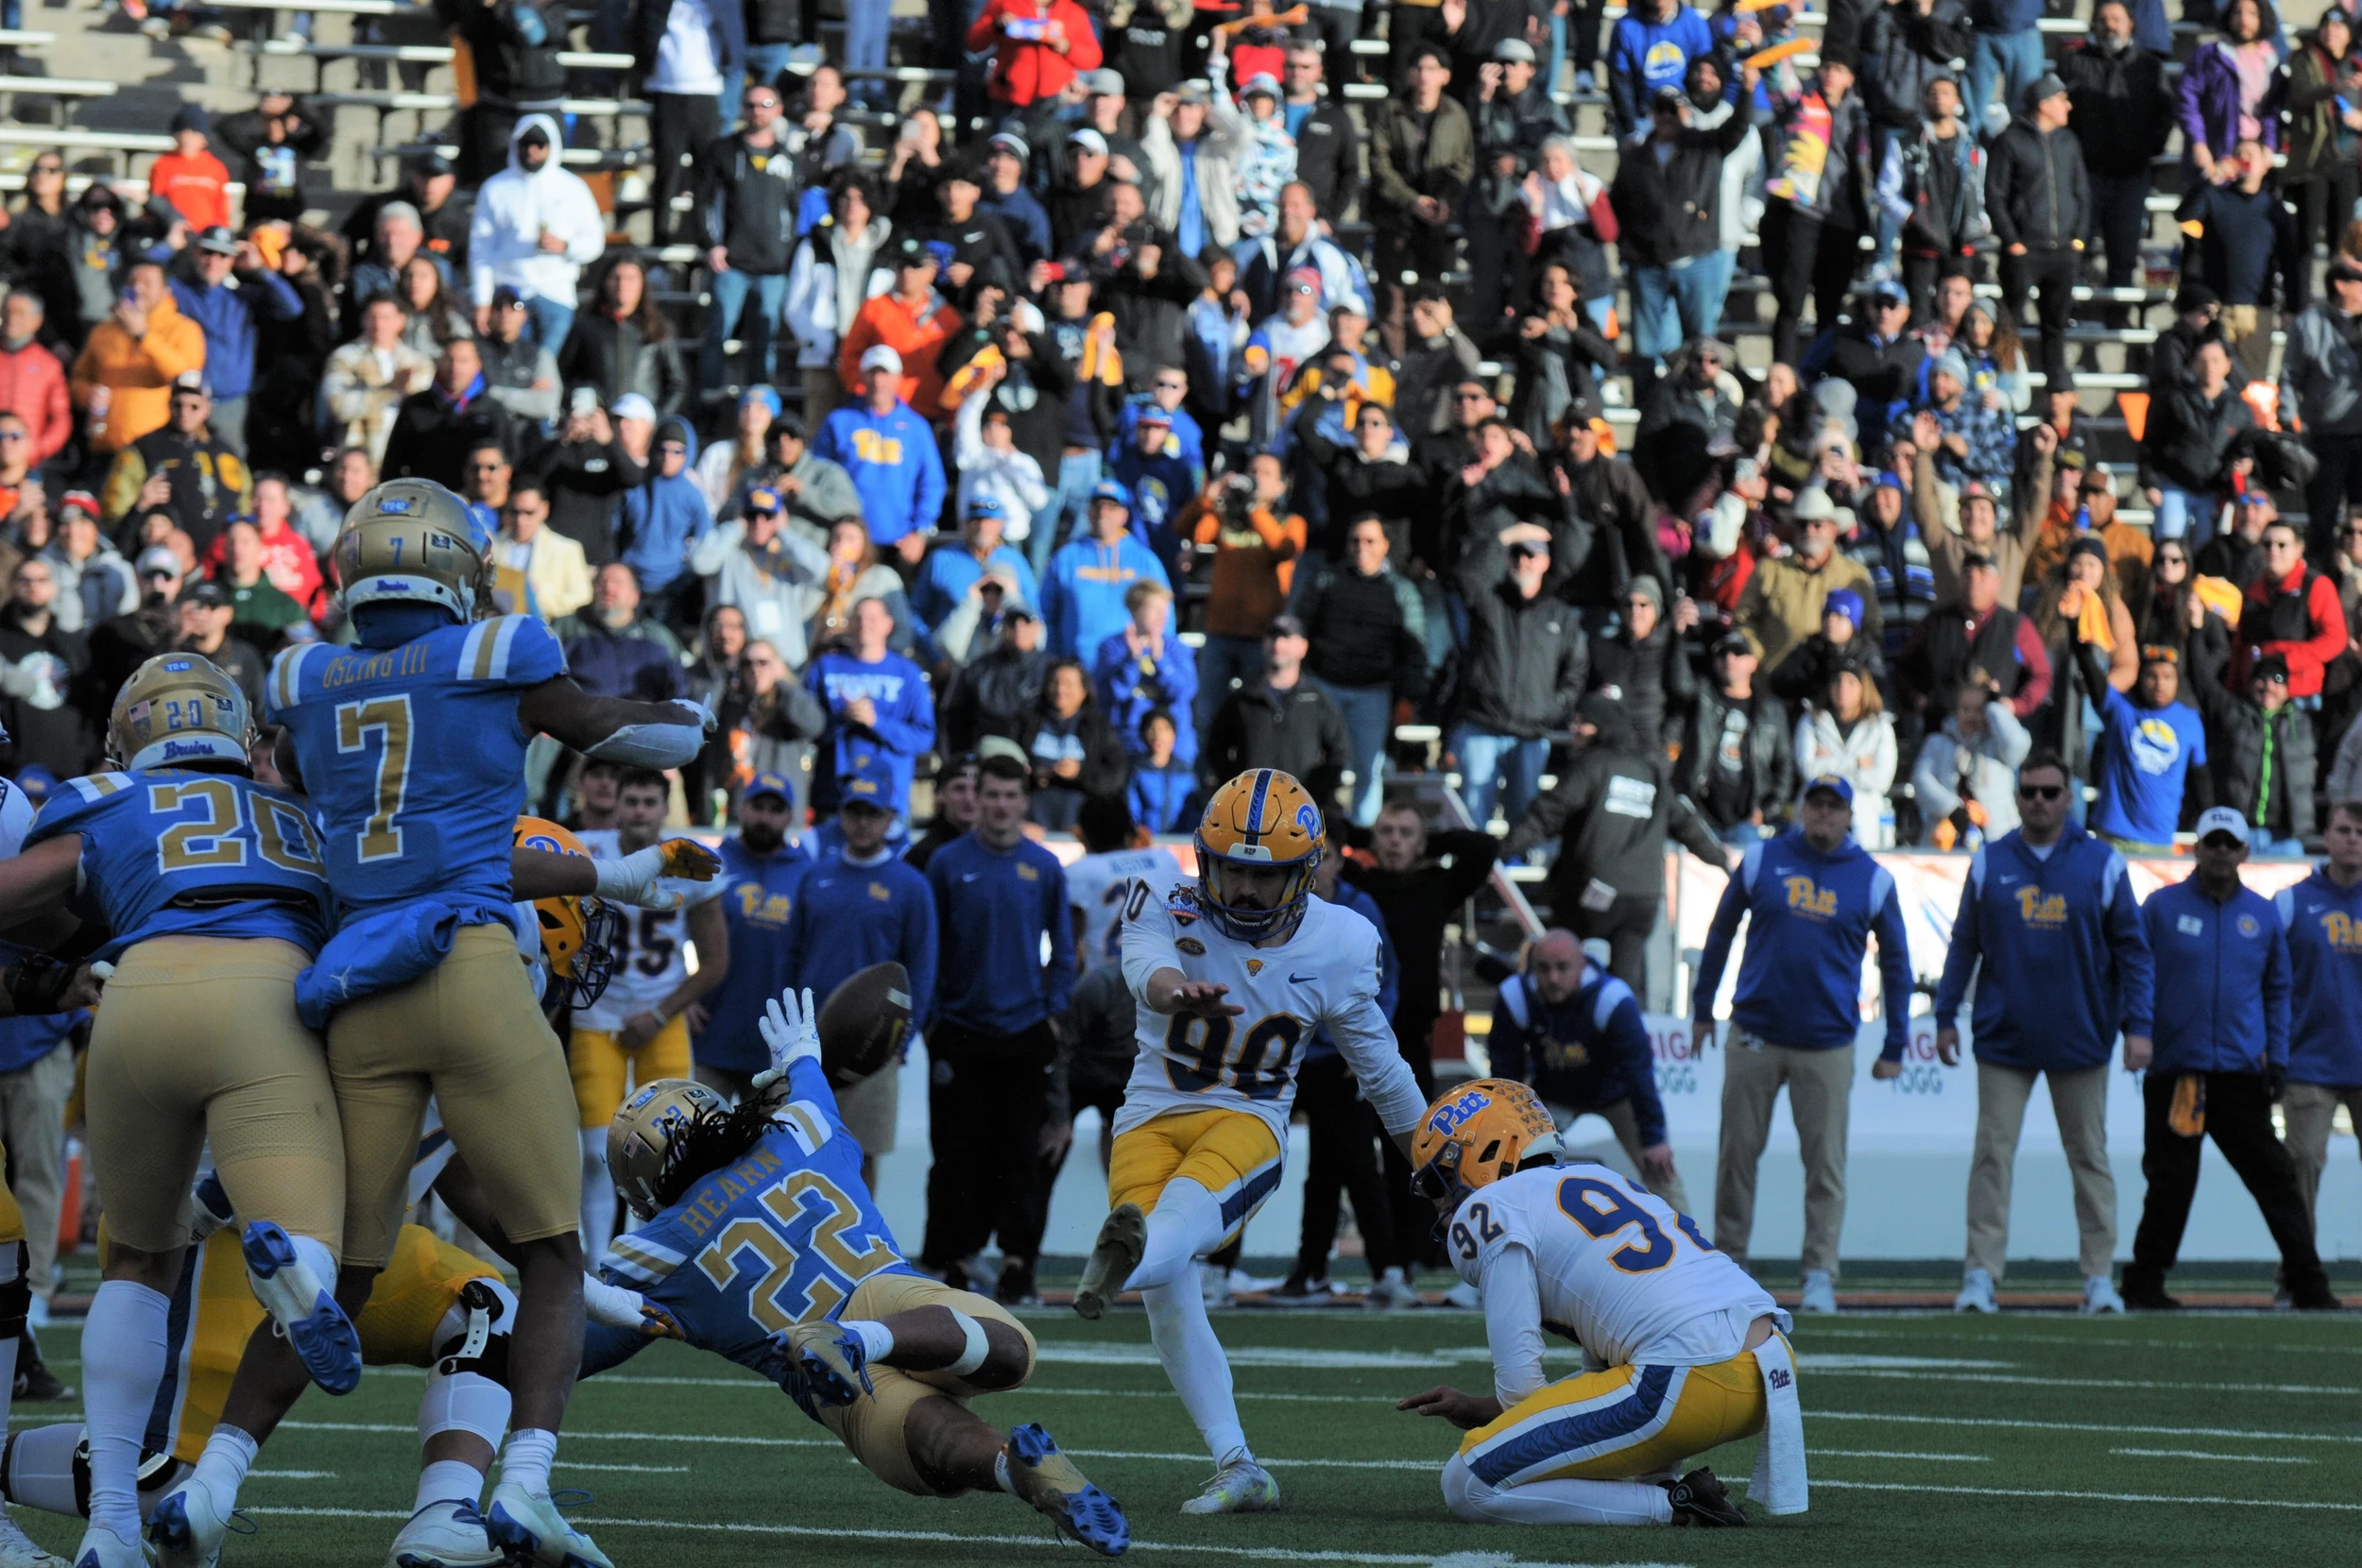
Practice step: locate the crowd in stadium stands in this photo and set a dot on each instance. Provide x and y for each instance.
(953, 421)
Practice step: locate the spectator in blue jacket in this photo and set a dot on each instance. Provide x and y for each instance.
(2049, 911)
(1651, 47)
(995, 1034)
(1146, 668)
(952, 571)
(890, 452)
(1574, 1032)
(1161, 482)
(2323, 916)
(880, 711)
(1163, 787)
(232, 319)
(860, 904)
(2220, 1061)
(1811, 899)
(660, 520)
(2005, 42)
(614, 650)
(765, 873)
(1082, 594)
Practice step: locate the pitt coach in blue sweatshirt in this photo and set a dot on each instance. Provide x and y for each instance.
(1812, 898)
(2220, 1062)
(1573, 1033)
(765, 875)
(2322, 916)
(2051, 910)
(994, 1036)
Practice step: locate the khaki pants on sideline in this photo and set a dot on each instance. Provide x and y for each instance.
(2306, 1108)
(1622, 1121)
(1818, 1084)
(32, 1126)
(2080, 1100)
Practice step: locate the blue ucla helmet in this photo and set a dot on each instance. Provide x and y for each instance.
(178, 708)
(412, 541)
(1262, 819)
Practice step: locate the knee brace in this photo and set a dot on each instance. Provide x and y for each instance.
(467, 1387)
(159, 1474)
(16, 1292)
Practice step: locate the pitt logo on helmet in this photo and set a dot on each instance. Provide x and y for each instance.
(1475, 1137)
(1263, 820)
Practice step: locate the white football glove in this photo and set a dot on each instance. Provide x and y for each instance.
(791, 1032)
(633, 878)
(609, 1305)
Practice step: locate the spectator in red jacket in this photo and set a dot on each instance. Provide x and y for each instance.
(289, 559)
(2291, 610)
(32, 382)
(1037, 47)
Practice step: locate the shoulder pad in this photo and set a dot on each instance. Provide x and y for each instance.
(96, 787)
(492, 646)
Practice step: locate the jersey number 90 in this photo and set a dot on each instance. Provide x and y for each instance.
(1200, 1053)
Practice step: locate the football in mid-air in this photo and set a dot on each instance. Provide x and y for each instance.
(864, 1022)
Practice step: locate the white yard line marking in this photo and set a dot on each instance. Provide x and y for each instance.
(1889, 1454)
(2078, 1426)
(1267, 1554)
(1938, 1376)
(292, 1475)
(627, 1469)
(2089, 1496)
(2003, 1341)
(2194, 1454)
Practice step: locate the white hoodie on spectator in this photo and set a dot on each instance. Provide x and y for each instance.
(515, 209)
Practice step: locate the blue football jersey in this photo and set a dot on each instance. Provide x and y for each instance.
(780, 1237)
(413, 757)
(172, 852)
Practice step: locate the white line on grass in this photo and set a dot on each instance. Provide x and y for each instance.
(1938, 1376)
(2090, 1497)
(1904, 1328)
(1889, 1453)
(627, 1469)
(2194, 1454)
(2075, 1426)
(1267, 1554)
(292, 1475)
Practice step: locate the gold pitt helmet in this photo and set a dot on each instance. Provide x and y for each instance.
(640, 1139)
(1262, 819)
(578, 932)
(178, 708)
(412, 541)
(1476, 1135)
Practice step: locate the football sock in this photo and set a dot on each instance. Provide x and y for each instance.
(877, 1341)
(527, 1458)
(598, 1196)
(1193, 1361)
(1553, 1502)
(1186, 1225)
(123, 1361)
(19, 1294)
(1001, 1472)
(39, 1469)
(447, 1481)
(223, 1465)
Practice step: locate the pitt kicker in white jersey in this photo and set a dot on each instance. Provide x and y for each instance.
(1618, 1270)
(651, 957)
(1326, 973)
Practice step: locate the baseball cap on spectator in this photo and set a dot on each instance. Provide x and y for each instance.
(79, 501)
(773, 785)
(1304, 279)
(991, 746)
(506, 298)
(2046, 86)
(2344, 269)
(431, 166)
(206, 593)
(2095, 480)
(787, 422)
(1733, 641)
(1844, 602)
(2193, 298)
(761, 501)
(1886, 479)
(762, 395)
(1108, 489)
(217, 241)
(1283, 625)
(1513, 51)
(36, 782)
(157, 562)
(1194, 92)
(1950, 363)
(2221, 819)
(191, 117)
(1667, 97)
(192, 381)
(865, 786)
(1101, 83)
(1264, 84)
(1829, 783)
(2271, 667)
(910, 251)
(1886, 291)
(1153, 413)
(1089, 140)
(631, 405)
(985, 507)
(880, 357)
(1012, 144)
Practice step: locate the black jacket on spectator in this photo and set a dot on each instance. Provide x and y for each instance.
(289, 359)
(1738, 758)
(775, 21)
(1804, 675)
(1624, 542)
(433, 434)
(1416, 905)
(2237, 734)
(1365, 631)
(1395, 491)
(1145, 49)
(446, 227)
(1328, 158)
(2123, 110)
(1152, 313)
(54, 733)
(1614, 807)
(1554, 370)
(1942, 653)
(1903, 51)
(617, 357)
(2247, 244)
(583, 482)
(273, 171)
(2188, 437)
(1521, 672)
(2036, 190)
(1671, 210)
(120, 644)
(1077, 214)
(981, 244)
(1881, 372)
(515, 45)
(1651, 678)
(992, 694)
(746, 203)
(1517, 125)
(1298, 731)
(2235, 560)
(1106, 768)
(1515, 492)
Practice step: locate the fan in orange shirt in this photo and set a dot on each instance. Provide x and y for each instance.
(189, 177)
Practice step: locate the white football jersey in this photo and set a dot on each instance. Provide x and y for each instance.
(1098, 887)
(16, 819)
(651, 958)
(1617, 1271)
(1326, 973)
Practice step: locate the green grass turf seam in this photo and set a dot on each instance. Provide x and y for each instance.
(2279, 1436)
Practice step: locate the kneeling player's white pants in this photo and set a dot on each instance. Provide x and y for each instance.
(1552, 1502)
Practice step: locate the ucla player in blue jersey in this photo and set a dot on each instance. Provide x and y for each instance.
(760, 1242)
(411, 748)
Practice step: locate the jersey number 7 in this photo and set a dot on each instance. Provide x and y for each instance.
(389, 717)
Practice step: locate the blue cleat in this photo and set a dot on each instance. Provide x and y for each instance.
(1049, 1483)
(324, 1339)
(529, 1527)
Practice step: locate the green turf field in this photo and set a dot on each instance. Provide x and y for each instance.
(2029, 1439)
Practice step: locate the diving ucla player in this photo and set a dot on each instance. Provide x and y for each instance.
(1682, 1351)
(759, 1243)
(1233, 976)
(411, 749)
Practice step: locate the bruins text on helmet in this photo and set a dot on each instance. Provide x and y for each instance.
(178, 708)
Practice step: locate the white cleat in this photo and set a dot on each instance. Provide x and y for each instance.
(1240, 1487)
(1976, 1293)
(1464, 1296)
(445, 1535)
(18, 1550)
(528, 1524)
(187, 1526)
(2099, 1295)
(1820, 1292)
(1391, 1292)
(105, 1549)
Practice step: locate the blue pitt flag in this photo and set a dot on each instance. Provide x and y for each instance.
(782, 1235)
